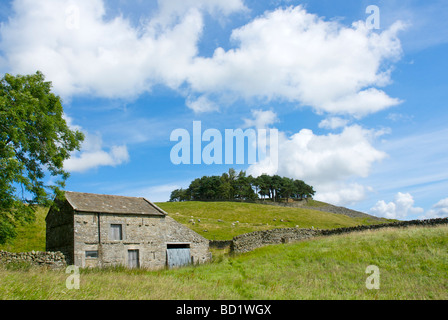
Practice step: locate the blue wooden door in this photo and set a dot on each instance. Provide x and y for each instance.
(178, 257)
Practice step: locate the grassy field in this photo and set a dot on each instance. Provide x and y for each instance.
(238, 218)
(413, 264)
(250, 217)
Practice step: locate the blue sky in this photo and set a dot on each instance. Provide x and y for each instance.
(361, 112)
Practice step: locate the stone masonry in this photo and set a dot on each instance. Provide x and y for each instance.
(54, 260)
(101, 230)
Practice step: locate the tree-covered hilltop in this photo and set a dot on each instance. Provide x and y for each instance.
(239, 186)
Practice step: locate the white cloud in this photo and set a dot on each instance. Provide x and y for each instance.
(341, 193)
(439, 210)
(82, 53)
(400, 208)
(286, 54)
(293, 55)
(333, 123)
(93, 159)
(261, 119)
(399, 117)
(158, 193)
(327, 162)
(201, 105)
(92, 154)
(170, 10)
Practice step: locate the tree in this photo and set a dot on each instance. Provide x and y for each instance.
(243, 185)
(194, 189)
(309, 191)
(263, 183)
(210, 187)
(179, 195)
(286, 188)
(274, 186)
(225, 189)
(299, 189)
(34, 142)
(238, 186)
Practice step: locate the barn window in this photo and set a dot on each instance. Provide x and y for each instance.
(91, 254)
(116, 232)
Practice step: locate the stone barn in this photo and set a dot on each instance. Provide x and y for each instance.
(104, 230)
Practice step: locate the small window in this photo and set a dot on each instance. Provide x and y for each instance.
(116, 232)
(91, 254)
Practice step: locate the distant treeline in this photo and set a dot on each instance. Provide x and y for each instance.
(238, 186)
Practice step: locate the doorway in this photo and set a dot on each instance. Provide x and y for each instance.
(178, 255)
(133, 259)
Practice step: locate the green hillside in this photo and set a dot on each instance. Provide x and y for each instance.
(224, 220)
(29, 237)
(412, 263)
(218, 221)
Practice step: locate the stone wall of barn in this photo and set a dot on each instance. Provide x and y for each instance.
(59, 231)
(150, 235)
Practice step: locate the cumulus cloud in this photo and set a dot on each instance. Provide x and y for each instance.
(439, 210)
(400, 208)
(328, 162)
(261, 119)
(83, 53)
(170, 10)
(158, 193)
(201, 105)
(92, 154)
(292, 55)
(92, 159)
(333, 123)
(341, 193)
(286, 54)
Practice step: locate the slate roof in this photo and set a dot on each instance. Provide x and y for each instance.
(99, 203)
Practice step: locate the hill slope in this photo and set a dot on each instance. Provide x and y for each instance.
(326, 207)
(218, 221)
(29, 237)
(224, 220)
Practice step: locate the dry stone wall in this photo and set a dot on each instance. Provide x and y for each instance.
(53, 260)
(398, 224)
(220, 244)
(250, 241)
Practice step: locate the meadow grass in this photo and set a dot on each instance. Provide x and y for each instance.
(413, 264)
